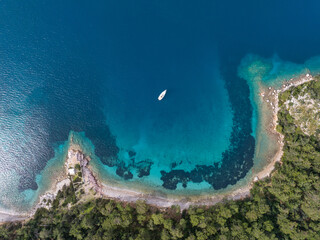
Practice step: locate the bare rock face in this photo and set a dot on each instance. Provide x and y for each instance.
(89, 180)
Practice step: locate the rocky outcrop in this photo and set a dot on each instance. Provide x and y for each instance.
(89, 181)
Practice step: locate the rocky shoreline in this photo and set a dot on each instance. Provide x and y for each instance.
(270, 96)
(76, 160)
(89, 184)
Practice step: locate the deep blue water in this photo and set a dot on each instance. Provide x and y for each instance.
(98, 68)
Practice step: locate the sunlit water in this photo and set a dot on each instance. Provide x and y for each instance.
(98, 68)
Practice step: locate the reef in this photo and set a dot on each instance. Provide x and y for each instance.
(237, 160)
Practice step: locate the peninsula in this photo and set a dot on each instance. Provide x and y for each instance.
(282, 201)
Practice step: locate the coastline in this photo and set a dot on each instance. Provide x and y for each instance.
(269, 98)
(6, 217)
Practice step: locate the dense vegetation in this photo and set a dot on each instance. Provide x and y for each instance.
(285, 206)
(303, 104)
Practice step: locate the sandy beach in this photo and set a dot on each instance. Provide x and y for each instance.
(269, 97)
(5, 217)
(56, 185)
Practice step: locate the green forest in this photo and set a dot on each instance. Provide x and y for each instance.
(283, 206)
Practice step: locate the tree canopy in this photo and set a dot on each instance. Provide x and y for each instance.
(283, 206)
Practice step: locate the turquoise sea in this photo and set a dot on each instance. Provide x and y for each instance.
(95, 70)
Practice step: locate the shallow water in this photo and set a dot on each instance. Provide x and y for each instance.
(99, 68)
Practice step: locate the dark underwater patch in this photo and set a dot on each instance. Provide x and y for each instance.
(238, 159)
(124, 172)
(143, 168)
(84, 114)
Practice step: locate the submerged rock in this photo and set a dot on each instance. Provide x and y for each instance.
(143, 168)
(124, 173)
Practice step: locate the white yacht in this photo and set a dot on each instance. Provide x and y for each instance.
(161, 96)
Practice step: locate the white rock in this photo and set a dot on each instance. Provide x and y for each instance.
(71, 171)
